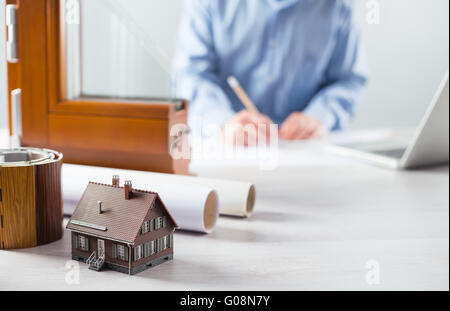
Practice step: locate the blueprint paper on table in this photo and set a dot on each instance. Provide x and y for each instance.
(193, 208)
(194, 202)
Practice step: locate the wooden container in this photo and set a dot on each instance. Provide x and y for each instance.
(31, 211)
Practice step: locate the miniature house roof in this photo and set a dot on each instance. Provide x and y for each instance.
(120, 219)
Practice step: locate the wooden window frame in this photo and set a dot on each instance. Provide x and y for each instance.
(121, 256)
(129, 134)
(145, 227)
(85, 245)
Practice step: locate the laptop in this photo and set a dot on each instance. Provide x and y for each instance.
(428, 146)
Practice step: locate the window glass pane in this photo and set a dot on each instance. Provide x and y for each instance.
(158, 222)
(120, 49)
(145, 227)
(82, 242)
(121, 252)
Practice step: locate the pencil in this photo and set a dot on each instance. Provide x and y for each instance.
(246, 101)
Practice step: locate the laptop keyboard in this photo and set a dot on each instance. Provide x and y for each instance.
(394, 153)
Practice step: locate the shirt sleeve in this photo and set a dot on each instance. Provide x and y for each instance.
(196, 68)
(346, 77)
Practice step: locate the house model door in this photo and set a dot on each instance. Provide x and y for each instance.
(101, 247)
(95, 80)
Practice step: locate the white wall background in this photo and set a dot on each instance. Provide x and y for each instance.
(408, 54)
(3, 114)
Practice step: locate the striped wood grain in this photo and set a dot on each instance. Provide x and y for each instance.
(49, 203)
(18, 207)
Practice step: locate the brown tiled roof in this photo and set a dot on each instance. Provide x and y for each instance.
(122, 218)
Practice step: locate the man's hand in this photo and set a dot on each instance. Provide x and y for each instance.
(299, 126)
(244, 129)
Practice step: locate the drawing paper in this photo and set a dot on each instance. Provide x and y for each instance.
(194, 202)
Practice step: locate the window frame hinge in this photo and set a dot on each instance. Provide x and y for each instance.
(12, 54)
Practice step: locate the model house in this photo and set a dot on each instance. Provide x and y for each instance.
(121, 228)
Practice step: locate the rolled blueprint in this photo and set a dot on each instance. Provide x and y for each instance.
(194, 208)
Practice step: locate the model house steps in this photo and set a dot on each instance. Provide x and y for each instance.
(95, 263)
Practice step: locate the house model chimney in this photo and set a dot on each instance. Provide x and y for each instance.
(115, 180)
(128, 189)
(99, 203)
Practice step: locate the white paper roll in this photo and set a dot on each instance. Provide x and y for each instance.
(194, 207)
(236, 198)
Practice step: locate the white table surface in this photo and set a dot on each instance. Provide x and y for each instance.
(315, 227)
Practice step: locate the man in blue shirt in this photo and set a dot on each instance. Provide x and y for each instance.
(300, 61)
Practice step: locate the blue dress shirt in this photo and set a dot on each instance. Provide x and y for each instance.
(289, 55)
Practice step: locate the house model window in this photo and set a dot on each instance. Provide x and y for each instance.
(146, 227)
(120, 252)
(154, 224)
(81, 242)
